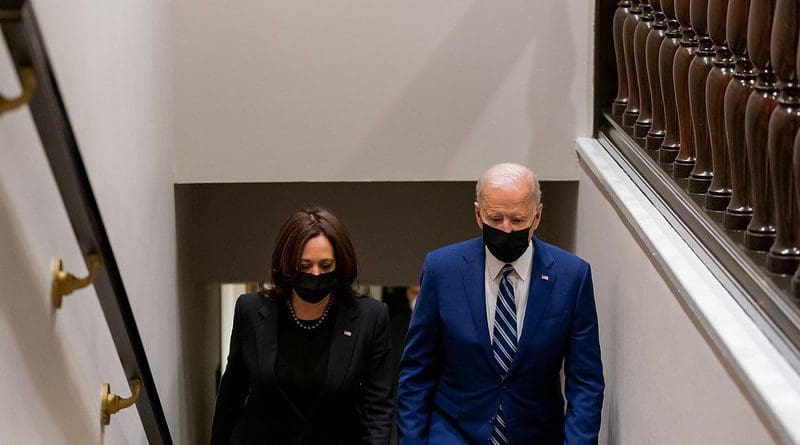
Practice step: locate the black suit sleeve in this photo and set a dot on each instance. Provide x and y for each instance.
(233, 386)
(375, 404)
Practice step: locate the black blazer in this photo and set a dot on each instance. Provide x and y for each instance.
(358, 382)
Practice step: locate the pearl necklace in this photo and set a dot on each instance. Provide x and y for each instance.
(318, 322)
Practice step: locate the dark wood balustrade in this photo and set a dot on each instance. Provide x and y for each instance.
(717, 115)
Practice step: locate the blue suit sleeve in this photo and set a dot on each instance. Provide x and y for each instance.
(419, 367)
(583, 369)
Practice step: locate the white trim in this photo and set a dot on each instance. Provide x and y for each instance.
(765, 376)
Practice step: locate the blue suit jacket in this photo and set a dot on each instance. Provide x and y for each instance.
(450, 384)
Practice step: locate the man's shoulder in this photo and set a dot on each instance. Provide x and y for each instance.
(457, 250)
(562, 257)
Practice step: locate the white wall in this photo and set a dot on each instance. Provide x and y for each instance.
(664, 383)
(112, 62)
(301, 90)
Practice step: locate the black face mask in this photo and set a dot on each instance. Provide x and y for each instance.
(506, 247)
(313, 288)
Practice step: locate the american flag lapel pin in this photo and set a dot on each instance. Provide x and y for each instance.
(348, 333)
(546, 277)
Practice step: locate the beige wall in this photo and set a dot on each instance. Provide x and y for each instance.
(112, 62)
(350, 90)
(664, 383)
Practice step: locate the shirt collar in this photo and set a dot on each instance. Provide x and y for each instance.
(494, 266)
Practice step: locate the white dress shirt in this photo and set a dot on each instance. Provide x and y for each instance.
(520, 280)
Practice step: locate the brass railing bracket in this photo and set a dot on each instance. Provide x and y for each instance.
(64, 283)
(112, 403)
(27, 77)
(10, 14)
(48, 112)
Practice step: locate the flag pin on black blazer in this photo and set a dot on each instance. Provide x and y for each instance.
(546, 277)
(348, 333)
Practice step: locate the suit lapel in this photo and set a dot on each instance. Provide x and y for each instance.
(267, 341)
(473, 276)
(541, 286)
(343, 343)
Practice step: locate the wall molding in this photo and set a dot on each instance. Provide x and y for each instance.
(758, 364)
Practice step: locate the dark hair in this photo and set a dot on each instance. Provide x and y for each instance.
(292, 237)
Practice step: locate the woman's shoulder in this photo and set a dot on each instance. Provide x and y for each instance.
(369, 308)
(252, 301)
(368, 303)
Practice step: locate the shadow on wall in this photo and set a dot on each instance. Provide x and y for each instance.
(199, 309)
(548, 75)
(200, 339)
(28, 329)
(485, 46)
(226, 231)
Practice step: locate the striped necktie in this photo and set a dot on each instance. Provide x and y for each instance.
(504, 344)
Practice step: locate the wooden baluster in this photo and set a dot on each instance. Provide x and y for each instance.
(784, 255)
(701, 175)
(684, 160)
(719, 192)
(762, 101)
(645, 119)
(796, 172)
(621, 101)
(739, 210)
(631, 112)
(666, 59)
(655, 136)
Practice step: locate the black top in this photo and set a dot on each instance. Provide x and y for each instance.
(302, 362)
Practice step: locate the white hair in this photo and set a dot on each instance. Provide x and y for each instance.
(508, 175)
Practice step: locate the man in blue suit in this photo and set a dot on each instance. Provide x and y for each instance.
(495, 319)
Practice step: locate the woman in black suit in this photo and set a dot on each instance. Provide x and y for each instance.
(309, 360)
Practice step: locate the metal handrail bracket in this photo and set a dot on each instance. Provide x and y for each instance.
(26, 46)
